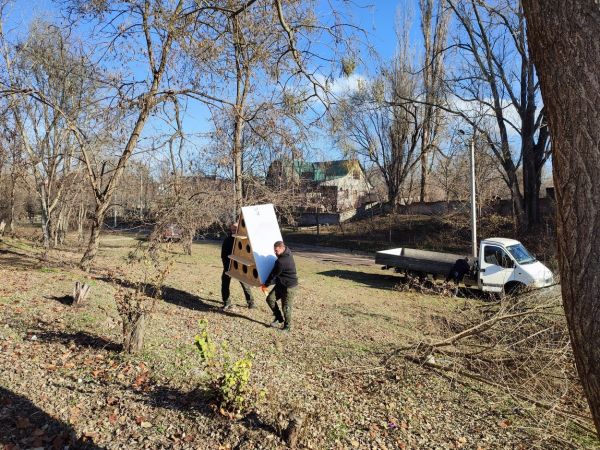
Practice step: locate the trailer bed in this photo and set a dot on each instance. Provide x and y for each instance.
(421, 262)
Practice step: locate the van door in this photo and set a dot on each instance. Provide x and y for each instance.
(495, 268)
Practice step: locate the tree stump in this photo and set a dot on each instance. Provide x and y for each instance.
(292, 433)
(134, 327)
(80, 293)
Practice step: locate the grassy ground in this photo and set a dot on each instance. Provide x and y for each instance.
(65, 382)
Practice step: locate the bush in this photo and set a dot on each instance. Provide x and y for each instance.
(227, 381)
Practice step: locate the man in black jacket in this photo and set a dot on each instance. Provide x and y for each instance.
(460, 268)
(285, 279)
(226, 250)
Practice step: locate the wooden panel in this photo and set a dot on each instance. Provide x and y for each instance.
(239, 259)
(243, 265)
(243, 279)
(243, 248)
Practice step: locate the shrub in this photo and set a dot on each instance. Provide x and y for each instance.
(226, 379)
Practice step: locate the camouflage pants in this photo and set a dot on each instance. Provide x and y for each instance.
(286, 294)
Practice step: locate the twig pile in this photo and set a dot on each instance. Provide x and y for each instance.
(519, 346)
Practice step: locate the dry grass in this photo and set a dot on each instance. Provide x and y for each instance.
(340, 367)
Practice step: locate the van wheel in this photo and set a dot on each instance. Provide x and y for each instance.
(514, 289)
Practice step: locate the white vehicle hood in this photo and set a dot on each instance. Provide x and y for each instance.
(539, 273)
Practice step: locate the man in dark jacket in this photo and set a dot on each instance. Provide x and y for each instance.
(285, 279)
(226, 250)
(460, 268)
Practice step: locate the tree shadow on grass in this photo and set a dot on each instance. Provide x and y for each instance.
(185, 299)
(24, 424)
(79, 338)
(66, 300)
(190, 301)
(199, 400)
(15, 259)
(372, 280)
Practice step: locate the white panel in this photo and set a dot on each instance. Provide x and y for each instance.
(263, 232)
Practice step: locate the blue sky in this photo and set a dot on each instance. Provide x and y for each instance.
(375, 17)
(382, 17)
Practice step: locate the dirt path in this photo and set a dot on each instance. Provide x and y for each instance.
(326, 254)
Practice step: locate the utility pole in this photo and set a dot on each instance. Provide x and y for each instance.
(471, 143)
(473, 206)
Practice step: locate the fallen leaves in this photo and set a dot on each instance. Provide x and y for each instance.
(371, 408)
(22, 423)
(504, 424)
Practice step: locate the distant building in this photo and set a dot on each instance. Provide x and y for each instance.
(331, 186)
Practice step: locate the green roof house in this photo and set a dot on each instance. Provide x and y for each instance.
(330, 186)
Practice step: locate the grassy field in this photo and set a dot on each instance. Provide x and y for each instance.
(65, 382)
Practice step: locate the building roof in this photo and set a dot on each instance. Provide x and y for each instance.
(323, 171)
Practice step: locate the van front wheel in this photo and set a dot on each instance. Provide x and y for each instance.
(514, 289)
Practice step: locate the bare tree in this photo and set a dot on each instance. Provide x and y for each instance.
(47, 62)
(565, 40)
(435, 18)
(497, 72)
(379, 124)
(178, 45)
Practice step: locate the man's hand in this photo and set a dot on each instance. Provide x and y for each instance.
(264, 288)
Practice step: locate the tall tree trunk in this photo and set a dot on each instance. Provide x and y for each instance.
(45, 229)
(242, 72)
(424, 174)
(237, 166)
(512, 181)
(564, 38)
(94, 243)
(12, 204)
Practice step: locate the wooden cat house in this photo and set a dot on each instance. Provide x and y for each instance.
(253, 258)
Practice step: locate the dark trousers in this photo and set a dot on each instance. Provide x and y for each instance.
(225, 291)
(454, 275)
(286, 294)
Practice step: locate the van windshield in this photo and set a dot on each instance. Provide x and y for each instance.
(520, 253)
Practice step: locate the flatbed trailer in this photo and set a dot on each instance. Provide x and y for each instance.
(422, 264)
(504, 265)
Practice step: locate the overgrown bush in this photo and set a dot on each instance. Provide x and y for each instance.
(226, 378)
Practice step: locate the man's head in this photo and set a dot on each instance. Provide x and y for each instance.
(466, 258)
(234, 228)
(279, 248)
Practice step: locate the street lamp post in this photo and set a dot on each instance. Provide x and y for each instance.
(473, 210)
(471, 142)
